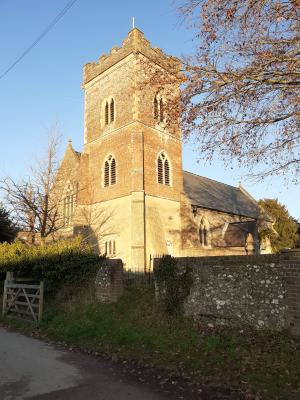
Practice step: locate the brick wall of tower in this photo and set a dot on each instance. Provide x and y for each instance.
(116, 83)
(155, 142)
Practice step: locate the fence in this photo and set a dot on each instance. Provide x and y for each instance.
(137, 278)
(23, 300)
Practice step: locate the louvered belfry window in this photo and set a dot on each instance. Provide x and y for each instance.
(167, 173)
(163, 169)
(110, 171)
(113, 172)
(112, 110)
(106, 113)
(155, 108)
(160, 169)
(106, 173)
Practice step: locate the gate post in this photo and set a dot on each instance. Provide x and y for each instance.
(9, 276)
(8, 279)
(4, 298)
(41, 301)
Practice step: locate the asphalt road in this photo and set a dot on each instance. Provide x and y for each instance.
(33, 369)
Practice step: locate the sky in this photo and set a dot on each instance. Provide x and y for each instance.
(44, 88)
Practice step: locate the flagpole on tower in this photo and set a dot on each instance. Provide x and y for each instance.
(133, 23)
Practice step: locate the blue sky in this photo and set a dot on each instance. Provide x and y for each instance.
(45, 86)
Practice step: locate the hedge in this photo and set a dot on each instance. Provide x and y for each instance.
(65, 262)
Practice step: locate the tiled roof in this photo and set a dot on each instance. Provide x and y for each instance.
(214, 195)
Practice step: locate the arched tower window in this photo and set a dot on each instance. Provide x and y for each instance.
(158, 109)
(68, 205)
(106, 173)
(110, 171)
(106, 113)
(155, 108)
(161, 110)
(204, 233)
(113, 172)
(112, 110)
(163, 169)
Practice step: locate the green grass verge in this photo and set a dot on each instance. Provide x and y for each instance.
(136, 329)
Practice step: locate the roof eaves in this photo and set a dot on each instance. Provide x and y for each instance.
(224, 211)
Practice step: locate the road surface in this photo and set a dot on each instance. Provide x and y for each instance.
(33, 369)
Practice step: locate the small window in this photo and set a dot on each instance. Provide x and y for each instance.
(110, 248)
(110, 172)
(163, 170)
(112, 110)
(158, 109)
(106, 113)
(68, 206)
(205, 236)
(155, 108)
(203, 233)
(161, 110)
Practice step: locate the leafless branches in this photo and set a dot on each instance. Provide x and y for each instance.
(240, 90)
(241, 96)
(30, 200)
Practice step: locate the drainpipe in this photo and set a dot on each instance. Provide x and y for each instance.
(143, 152)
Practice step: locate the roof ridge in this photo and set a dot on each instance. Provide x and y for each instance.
(210, 179)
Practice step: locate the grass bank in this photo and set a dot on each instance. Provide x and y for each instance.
(136, 329)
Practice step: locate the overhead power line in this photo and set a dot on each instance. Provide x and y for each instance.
(40, 37)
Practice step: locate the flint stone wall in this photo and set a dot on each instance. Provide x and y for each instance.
(109, 281)
(262, 290)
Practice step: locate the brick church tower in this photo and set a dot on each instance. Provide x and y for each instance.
(126, 192)
(130, 172)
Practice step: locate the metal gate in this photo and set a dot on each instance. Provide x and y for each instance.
(23, 300)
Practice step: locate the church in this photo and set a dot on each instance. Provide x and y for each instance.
(126, 192)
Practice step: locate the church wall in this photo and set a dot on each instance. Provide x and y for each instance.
(107, 221)
(217, 222)
(68, 171)
(66, 179)
(84, 187)
(162, 227)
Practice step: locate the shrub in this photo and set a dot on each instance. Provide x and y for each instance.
(64, 262)
(173, 283)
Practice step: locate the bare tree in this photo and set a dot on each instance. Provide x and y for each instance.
(240, 89)
(30, 200)
(241, 94)
(48, 203)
